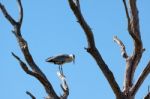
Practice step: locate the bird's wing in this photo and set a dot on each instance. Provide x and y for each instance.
(60, 57)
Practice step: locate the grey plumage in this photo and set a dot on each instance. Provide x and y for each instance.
(61, 59)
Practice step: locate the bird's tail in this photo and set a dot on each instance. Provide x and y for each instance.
(49, 59)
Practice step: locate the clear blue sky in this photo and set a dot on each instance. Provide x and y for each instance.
(50, 28)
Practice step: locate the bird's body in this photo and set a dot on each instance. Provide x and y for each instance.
(61, 59)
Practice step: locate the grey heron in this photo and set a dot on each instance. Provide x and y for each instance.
(61, 59)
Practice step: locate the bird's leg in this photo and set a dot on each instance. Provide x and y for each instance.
(62, 71)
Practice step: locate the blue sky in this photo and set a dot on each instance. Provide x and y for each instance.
(50, 28)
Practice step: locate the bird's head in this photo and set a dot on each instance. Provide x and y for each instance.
(72, 57)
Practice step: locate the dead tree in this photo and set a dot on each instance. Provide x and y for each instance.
(132, 61)
(30, 67)
(129, 88)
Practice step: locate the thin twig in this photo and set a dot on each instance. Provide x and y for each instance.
(20, 11)
(126, 9)
(30, 94)
(6, 14)
(44, 82)
(123, 49)
(22, 64)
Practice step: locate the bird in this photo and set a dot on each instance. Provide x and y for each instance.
(61, 59)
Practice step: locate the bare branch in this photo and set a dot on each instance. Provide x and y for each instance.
(35, 72)
(84, 25)
(134, 31)
(93, 50)
(31, 95)
(64, 86)
(78, 4)
(123, 49)
(126, 9)
(148, 94)
(130, 18)
(23, 44)
(6, 14)
(141, 79)
(135, 28)
(48, 87)
(22, 64)
(20, 12)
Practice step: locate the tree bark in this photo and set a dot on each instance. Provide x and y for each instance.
(132, 60)
(35, 70)
(129, 88)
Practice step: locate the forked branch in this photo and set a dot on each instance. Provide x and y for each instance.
(75, 7)
(35, 70)
(43, 81)
(6, 14)
(134, 32)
